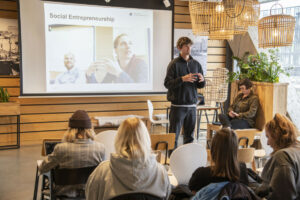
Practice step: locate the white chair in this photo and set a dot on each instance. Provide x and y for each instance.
(155, 122)
(186, 159)
(107, 138)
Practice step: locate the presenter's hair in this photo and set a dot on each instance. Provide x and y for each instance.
(224, 155)
(246, 82)
(183, 41)
(116, 41)
(72, 134)
(133, 140)
(282, 131)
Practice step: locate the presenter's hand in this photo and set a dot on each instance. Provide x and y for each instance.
(113, 67)
(200, 76)
(189, 78)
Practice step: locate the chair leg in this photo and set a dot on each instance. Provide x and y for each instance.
(36, 185)
(207, 120)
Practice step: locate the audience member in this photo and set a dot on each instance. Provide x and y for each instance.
(242, 112)
(224, 165)
(133, 168)
(281, 174)
(78, 150)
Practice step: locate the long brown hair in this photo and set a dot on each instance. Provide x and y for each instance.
(282, 131)
(224, 155)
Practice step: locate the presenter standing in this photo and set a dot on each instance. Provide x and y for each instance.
(184, 76)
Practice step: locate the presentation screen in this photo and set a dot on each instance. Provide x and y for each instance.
(89, 49)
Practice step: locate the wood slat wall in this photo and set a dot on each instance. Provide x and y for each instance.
(48, 117)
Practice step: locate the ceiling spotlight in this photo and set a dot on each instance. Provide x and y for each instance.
(107, 1)
(167, 3)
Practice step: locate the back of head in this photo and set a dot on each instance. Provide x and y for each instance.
(224, 154)
(282, 131)
(79, 124)
(133, 140)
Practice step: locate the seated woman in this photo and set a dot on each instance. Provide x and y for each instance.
(281, 174)
(133, 168)
(78, 150)
(242, 111)
(224, 165)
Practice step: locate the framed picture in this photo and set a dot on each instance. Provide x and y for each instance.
(9, 49)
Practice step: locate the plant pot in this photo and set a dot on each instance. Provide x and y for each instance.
(9, 108)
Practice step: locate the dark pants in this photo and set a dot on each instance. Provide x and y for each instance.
(185, 116)
(235, 123)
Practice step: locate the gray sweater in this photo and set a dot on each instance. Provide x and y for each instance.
(282, 174)
(120, 176)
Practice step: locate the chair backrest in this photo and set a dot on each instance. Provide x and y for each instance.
(168, 138)
(245, 155)
(71, 176)
(137, 196)
(107, 138)
(243, 141)
(186, 159)
(150, 109)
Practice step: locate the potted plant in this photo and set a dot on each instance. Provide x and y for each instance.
(264, 71)
(261, 67)
(4, 96)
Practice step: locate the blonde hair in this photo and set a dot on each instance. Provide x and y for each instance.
(133, 140)
(72, 133)
(282, 130)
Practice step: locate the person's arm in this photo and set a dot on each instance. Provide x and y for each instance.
(252, 110)
(51, 161)
(202, 83)
(283, 183)
(171, 80)
(95, 185)
(92, 186)
(199, 179)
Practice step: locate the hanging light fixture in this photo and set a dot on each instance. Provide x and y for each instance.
(222, 20)
(276, 30)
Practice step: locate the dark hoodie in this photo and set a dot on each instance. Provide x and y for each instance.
(179, 92)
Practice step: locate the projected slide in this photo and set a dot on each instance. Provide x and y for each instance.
(98, 48)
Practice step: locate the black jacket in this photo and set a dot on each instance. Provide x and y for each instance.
(179, 92)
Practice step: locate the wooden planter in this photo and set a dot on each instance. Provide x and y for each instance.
(272, 98)
(10, 125)
(9, 108)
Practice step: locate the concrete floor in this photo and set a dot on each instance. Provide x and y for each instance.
(18, 168)
(17, 172)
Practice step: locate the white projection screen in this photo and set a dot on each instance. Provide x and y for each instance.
(77, 49)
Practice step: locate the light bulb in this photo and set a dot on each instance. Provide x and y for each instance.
(219, 8)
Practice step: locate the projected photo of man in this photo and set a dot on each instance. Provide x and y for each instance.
(125, 68)
(72, 75)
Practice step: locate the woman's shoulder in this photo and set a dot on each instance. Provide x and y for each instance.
(202, 171)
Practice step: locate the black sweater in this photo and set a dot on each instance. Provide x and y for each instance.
(179, 92)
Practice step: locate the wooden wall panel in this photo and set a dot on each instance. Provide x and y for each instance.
(8, 9)
(47, 117)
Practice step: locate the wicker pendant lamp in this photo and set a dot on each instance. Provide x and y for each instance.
(223, 20)
(276, 30)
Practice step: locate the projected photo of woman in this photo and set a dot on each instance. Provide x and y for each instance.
(125, 68)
